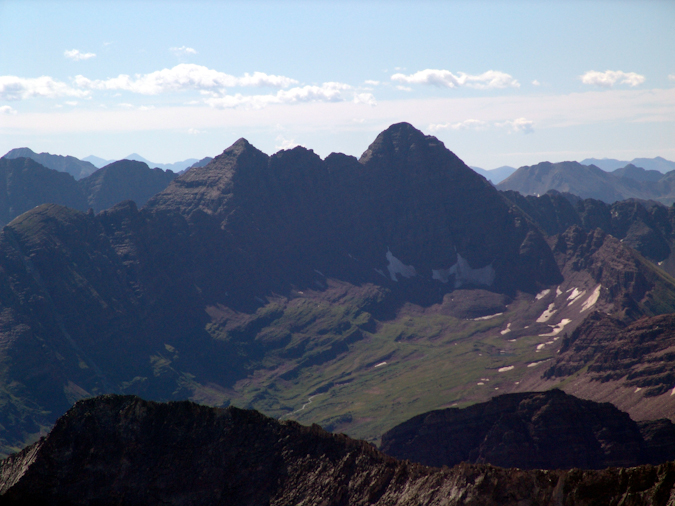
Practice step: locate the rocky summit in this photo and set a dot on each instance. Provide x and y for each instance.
(123, 450)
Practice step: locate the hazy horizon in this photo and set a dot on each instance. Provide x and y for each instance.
(500, 83)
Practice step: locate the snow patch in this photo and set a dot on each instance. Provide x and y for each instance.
(546, 315)
(575, 295)
(480, 383)
(592, 299)
(558, 292)
(506, 330)
(397, 267)
(672, 392)
(637, 390)
(464, 274)
(379, 271)
(380, 364)
(535, 364)
(507, 368)
(488, 317)
(557, 329)
(319, 273)
(542, 294)
(540, 346)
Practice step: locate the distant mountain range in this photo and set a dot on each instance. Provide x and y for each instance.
(25, 184)
(495, 175)
(73, 166)
(174, 167)
(589, 181)
(610, 164)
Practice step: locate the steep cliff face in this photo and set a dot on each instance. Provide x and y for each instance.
(546, 430)
(115, 449)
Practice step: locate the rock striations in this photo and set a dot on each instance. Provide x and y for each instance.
(123, 450)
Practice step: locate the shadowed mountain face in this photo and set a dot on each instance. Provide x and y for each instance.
(546, 430)
(124, 180)
(351, 293)
(407, 209)
(115, 449)
(25, 184)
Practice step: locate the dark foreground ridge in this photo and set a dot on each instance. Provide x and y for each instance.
(124, 450)
(532, 430)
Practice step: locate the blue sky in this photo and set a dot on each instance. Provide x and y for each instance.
(500, 83)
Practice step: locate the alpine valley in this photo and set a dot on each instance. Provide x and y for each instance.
(350, 293)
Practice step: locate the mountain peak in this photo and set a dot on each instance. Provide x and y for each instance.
(398, 138)
(19, 153)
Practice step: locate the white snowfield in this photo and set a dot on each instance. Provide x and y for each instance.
(557, 329)
(542, 294)
(546, 315)
(397, 267)
(488, 317)
(507, 368)
(464, 274)
(576, 294)
(506, 330)
(590, 302)
(535, 364)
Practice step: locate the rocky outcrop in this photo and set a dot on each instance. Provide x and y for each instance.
(545, 430)
(123, 450)
(645, 226)
(638, 355)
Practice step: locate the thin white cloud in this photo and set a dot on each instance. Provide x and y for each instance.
(518, 125)
(76, 55)
(370, 82)
(182, 51)
(18, 88)
(71, 103)
(283, 143)
(184, 76)
(469, 124)
(5, 109)
(404, 88)
(193, 131)
(671, 77)
(327, 92)
(364, 98)
(609, 78)
(446, 79)
(536, 83)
